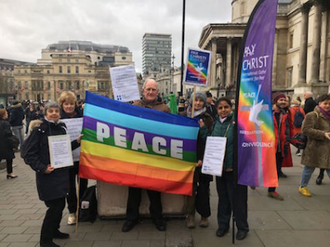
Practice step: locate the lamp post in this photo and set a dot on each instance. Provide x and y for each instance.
(181, 101)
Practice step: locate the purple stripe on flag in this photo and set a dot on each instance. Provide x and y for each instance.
(188, 145)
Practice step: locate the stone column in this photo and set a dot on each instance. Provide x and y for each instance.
(212, 82)
(315, 74)
(303, 44)
(228, 62)
(324, 47)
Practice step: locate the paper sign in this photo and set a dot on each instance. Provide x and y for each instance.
(124, 83)
(74, 127)
(198, 67)
(60, 151)
(214, 155)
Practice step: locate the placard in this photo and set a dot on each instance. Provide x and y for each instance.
(215, 149)
(74, 127)
(197, 68)
(60, 151)
(124, 83)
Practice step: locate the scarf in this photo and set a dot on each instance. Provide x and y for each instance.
(325, 113)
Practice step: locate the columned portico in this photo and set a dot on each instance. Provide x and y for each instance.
(315, 73)
(303, 45)
(229, 62)
(213, 65)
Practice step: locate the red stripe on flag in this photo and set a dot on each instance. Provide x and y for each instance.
(136, 181)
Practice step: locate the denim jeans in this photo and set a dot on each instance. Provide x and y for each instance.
(18, 132)
(306, 175)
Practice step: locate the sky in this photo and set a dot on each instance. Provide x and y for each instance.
(27, 26)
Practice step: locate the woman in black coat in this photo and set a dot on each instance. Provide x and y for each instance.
(52, 184)
(6, 152)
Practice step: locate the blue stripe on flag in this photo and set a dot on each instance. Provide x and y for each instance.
(141, 112)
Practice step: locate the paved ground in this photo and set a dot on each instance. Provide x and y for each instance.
(296, 221)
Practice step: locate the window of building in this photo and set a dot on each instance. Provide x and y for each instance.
(289, 77)
(77, 69)
(19, 85)
(26, 96)
(291, 41)
(60, 59)
(69, 85)
(60, 69)
(25, 72)
(77, 85)
(48, 72)
(77, 60)
(68, 60)
(69, 69)
(61, 85)
(48, 85)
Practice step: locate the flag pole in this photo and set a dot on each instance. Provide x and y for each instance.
(77, 212)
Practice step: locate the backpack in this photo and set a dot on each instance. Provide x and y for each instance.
(88, 205)
(298, 118)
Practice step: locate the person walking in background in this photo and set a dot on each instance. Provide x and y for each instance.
(30, 114)
(52, 184)
(210, 106)
(283, 133)
(200, 199)
(6, 152)
(297, 115)
(69, 109)
(309, 102)
(232, 198)
(317, 152)
(16, 120)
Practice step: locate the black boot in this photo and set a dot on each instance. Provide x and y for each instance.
(320, 177)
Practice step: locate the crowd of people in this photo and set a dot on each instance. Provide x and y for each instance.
(215, 118)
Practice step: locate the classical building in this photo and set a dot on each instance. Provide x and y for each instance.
(8, 89)
(156, 53)
(301, 51)
(75, 65)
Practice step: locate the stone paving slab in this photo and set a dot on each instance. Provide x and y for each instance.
(296, 221)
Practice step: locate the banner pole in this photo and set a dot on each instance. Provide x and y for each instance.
(77, 212)
(193, 103)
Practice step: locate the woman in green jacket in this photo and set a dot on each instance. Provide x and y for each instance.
(232, 197)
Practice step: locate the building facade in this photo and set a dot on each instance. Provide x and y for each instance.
(74, 66)
(8, 88)
(156, 53)
(301, 50)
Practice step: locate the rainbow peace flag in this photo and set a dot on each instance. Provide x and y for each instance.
(138, 147)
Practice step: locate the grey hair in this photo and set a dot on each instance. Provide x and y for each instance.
(51, 104)
(147, 80)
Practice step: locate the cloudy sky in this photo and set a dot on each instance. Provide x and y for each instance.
(27, 26)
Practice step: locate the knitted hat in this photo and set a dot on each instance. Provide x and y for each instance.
(199, 95)
(277, 96)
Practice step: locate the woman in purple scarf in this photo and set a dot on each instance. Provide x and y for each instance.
(316, 127)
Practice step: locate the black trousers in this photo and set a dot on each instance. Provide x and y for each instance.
(9, 165)
(200, 199)
(279, 160)
(231, 198)
(72, 197)
(52, 220)
(134, 201)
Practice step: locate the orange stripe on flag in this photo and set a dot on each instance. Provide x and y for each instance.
(136, 181)
(141, 170)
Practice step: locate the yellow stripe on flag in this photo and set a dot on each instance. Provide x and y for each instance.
(127, 155)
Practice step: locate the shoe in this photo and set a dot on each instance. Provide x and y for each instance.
(190, 221)
(282, 175)
(304, 191)
(298, 154)
(128, 225)
(241, 234)
(72, 219)
(11, 176)
(319, 179)
(204, 222)
(221, 232)
(61, 235)
(51, 244)
(160, 225)
(275, 195)
(252, 187)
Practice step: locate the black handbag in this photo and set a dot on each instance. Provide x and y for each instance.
(299, 141)
(13, 141)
